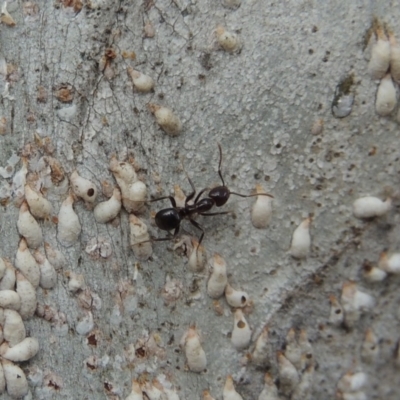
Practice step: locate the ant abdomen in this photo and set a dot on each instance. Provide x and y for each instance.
(220, 195)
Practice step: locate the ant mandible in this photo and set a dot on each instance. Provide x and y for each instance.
(169, 219)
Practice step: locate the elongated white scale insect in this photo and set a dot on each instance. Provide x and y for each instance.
(27, 293)
(227, 40)
(336, 314)
(218, 278)
(154, 390)
(166, 119)
(13, 327)
(27, 264)
(369, 207)
(69, 227)
(380, 55)
(270, 391)
(390, 263)
(8, 280)
(10, 299)
(288, 375)
(48, 275)
(301, 240)
(235, 298)
(303, 390)
(2, 380)
(374, 274)
(229, 391)
(207, 395)
(260, 353)
(2, 268)
(241, 333)
(136, 391)
(108, 210)
(83, 188)
(142, 82)
(29, 228)
(386, 96)
(197, 256)
(370, 347)
(16, 383)
(195, 355)
(394, 58)
(292, 349)
(352, 382)
(139, 237)
(22, 351)
(262, 209)
(133, 191)
(39, 206)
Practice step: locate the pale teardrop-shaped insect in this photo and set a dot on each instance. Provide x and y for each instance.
(236, 298)
(195, 355)
(352, 382)
(10, 299)
(39, 206)
(336, 314)
(386, 96)
(374, 274)
(270, 391)
(229, 391)
(142, 82)
(29, 228)
(108, 210)
(123, 172)
(218, 278)
(260, 353)
(136, 391)
(16, 383)
(369, 207)
(288, 374)
(83, 188)
(8, 280)
(303, 390)
(133, 196)
(27, 293)
(27, 264)
(301, 240)
(197, 256)
(13, 327)
(207, 395)
(241, 333)
(166, 119)
(48, 275)
(370, 347)
(292, 349)
(69, 227)
(380, 55)
(2, 380)
(22, 351)
(2, 268)
(139, 238)
(390, 263)
(262, 209)
(154, 390)
(394, 58)
(228, 41)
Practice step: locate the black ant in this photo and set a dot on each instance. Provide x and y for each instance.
(170, 219)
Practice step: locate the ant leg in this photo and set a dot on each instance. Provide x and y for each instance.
(219, 165)
(192, 193)
(198, 226)
(153, 239)
(199, 195)
(252, 195)
(216, 213)
(171, 199)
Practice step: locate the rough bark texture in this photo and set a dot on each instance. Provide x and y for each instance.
(67, 80)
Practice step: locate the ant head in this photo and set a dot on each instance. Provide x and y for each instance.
(220, 195)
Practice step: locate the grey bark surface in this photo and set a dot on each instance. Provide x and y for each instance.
(260, 104)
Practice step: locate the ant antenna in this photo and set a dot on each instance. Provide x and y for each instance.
(219, 165)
